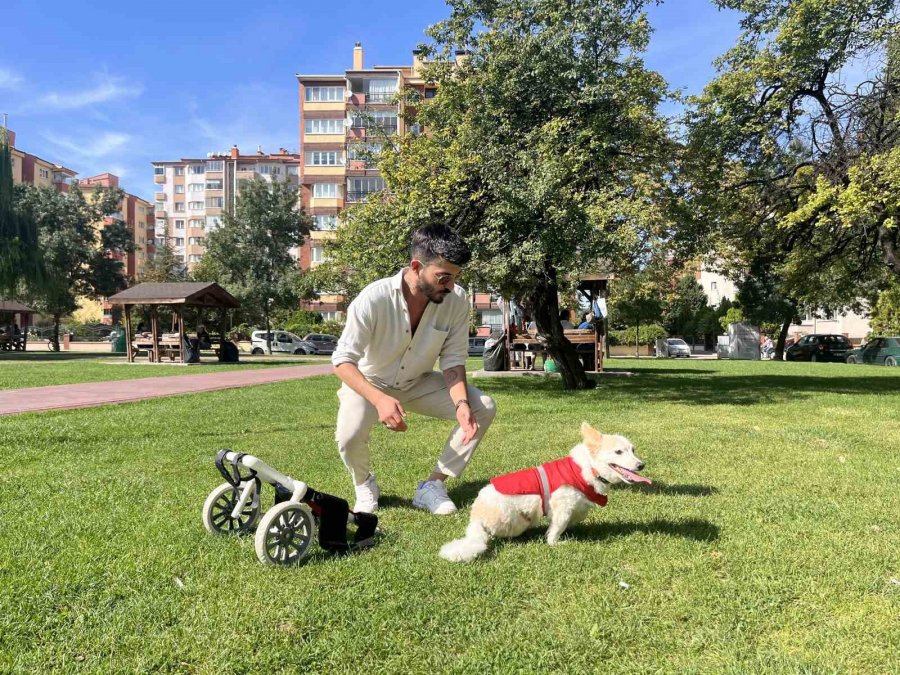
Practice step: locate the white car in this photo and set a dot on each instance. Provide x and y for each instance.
(676, 347)
(282, 343)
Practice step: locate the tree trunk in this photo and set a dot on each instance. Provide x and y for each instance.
(268, 330)
(637, 340)
(55, 337)
(782, 337)
(545, 301)
(888, 240)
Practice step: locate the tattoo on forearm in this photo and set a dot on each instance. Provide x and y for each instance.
(452, 377)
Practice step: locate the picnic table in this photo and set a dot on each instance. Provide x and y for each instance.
(525, 349)
(169, 344)
(13, 342)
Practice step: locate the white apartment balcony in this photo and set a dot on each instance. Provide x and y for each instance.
(160, 197)
(159, 178)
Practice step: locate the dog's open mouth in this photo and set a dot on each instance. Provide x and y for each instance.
(628, 475)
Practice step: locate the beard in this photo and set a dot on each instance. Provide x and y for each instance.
(434, 293)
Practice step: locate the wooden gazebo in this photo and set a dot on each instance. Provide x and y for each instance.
(21, 316)
(203, 295)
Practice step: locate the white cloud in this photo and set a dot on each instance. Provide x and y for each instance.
(107, 89)
(99, 147)
(10, 79)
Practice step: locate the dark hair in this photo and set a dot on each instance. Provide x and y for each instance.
(432, 242)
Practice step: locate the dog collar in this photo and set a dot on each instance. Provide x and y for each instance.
(597, 476)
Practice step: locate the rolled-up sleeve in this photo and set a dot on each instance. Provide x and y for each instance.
(352, 344)
(456, 347)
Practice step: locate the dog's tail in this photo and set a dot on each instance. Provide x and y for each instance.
(474, 544)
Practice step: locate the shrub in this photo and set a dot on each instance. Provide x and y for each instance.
(648, 335)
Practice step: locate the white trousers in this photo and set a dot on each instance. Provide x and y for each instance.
(430, 397)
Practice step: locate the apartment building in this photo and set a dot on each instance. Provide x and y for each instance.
(31, 169)
(194, 193)
(136, 213)
(345, 121)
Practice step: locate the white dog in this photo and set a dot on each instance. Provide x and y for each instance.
(564, 489)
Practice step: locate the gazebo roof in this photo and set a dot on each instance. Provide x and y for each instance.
(13, 306)
(188, 293)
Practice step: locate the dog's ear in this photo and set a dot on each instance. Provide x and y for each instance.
(592, 438)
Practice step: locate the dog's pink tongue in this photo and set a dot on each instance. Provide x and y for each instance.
(631, 475)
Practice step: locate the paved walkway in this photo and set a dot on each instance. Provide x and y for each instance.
(65, 396)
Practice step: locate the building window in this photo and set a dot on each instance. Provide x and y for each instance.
(161, 223)
(358, 189)
(380, 91)
(328, 222)
(197, 222)
(179, 224)
(324, 158)
(293, 170)
(196, 168)
(317, 126)
(247, 167)
(329, 316)
(316, 94)
(317, 254)
(179, 241)
(159, 171)
(179, 189)
(197, 241)
(215, 202)
(179, 170)
(179, 207)
(367, 152)
(194, 258)
(195, 206)
(415, 129)
(213, 222)
(264, 168)
(325, 190)
(44, 173)
(215, 165)
(214, 184)
(196, 187)
(383, 121)
(430, 93)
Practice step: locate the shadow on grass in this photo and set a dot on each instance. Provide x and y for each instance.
(55, 357)
(694, 528)
(700, 387)
(690, 490)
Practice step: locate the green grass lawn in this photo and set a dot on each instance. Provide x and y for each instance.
(767, 543)
(37, 369)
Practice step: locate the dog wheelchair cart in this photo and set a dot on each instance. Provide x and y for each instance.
(286, 531)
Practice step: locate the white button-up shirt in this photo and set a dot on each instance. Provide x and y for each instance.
(378, 336)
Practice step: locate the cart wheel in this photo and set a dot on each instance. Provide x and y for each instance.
(285, 534)
(218, 507)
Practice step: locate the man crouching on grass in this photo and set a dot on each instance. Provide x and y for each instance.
(396, 329)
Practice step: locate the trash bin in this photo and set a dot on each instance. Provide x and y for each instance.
(118, 345)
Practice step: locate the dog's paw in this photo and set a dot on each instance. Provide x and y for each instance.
(555, 540)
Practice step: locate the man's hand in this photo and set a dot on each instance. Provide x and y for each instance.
(466, 422)
(391, 413)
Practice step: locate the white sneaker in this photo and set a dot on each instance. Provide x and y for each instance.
(431, 495)
(367, 496)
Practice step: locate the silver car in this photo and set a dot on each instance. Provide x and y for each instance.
(282, 343)
(676, 347)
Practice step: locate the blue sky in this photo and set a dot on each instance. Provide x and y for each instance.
(113, 86)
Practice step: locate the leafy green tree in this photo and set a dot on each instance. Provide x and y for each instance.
(682, 312)
(250, 253)
(19, 257)
(791, 162)
(164, 265)
(80, 242)
(886, 313)
(544, 149)
(634, 302)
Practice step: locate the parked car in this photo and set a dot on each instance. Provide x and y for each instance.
(676, 347)
(324, 344)
(282, 343)
(879, 351)
(476, 346)
(818, 348)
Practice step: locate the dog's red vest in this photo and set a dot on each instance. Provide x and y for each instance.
(559, 472)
